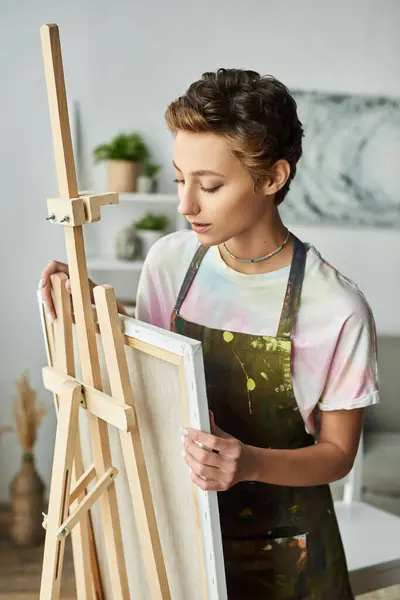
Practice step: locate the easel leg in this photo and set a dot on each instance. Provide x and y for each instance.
(83, 547)
(59, 491)
(86, 569)
(98, 429)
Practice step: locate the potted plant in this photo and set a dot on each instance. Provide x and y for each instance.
(146, 179)
(123, 154)
(150, 228)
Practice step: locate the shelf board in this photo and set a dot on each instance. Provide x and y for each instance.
(135, 197)
(100, 263)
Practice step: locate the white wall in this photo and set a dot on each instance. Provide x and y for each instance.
(124, 61)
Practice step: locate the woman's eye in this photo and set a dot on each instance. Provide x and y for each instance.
(211, 190)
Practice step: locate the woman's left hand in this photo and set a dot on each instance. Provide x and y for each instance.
(227, 461)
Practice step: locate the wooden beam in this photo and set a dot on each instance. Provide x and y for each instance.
(101, 405)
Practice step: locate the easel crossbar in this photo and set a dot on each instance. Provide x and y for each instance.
(98, 403)
(84, 506)
(86, 478)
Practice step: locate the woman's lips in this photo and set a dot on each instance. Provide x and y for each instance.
(200, 227)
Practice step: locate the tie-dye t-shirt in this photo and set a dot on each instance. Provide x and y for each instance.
(334, 342)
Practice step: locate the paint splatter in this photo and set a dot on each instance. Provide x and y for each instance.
(251, 384)
(228, 336)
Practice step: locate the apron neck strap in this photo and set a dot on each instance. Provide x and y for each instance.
(190, 275)
(292, 297)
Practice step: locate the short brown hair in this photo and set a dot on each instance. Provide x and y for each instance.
(255, 114)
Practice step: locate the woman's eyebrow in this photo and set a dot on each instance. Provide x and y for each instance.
(199, 173)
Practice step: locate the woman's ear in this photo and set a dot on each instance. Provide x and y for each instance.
(277, 177)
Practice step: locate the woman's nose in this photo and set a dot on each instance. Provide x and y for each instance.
(188, 204)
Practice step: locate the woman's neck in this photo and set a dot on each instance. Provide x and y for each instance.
(265, 237)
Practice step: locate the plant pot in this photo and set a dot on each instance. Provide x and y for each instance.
(27, 505)
(148, 237)
(122, 176)
(144, 184)
(127, 244)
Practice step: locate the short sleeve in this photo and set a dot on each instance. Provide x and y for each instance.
(154, 302)
(352, 380)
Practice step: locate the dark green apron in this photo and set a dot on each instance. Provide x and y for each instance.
(279, 542)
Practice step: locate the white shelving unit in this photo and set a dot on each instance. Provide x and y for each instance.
(169, 198)
(104, 263)
(109, 263)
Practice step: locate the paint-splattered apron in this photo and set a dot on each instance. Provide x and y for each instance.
(279, 542)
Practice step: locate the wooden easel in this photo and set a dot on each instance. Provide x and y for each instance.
(69, 502)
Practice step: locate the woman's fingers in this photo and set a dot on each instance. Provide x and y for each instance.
(45, 285)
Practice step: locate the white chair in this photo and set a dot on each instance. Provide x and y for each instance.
(371, 537)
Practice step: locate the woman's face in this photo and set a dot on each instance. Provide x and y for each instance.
(215, 191)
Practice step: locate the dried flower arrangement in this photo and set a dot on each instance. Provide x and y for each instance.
(27, 488)
(28, 413)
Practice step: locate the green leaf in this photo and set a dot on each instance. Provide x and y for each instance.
(124, 146)
(153, 222)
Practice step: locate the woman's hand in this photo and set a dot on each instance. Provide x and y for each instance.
(45, 286)
(225, 463)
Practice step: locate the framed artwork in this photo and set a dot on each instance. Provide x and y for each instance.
(348, 173)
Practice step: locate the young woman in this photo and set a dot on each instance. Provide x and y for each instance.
(288, 342)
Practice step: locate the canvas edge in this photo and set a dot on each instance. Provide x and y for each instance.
(46, 339)
(151, 334)
(207, 501)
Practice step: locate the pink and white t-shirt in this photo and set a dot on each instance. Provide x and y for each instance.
(334, 363)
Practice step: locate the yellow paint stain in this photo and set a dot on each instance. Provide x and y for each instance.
(264, 375)
(228, 336)
(251, 384)
(295, 508)
(257, 344)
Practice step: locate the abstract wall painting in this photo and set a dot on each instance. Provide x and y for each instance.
(349, 173)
